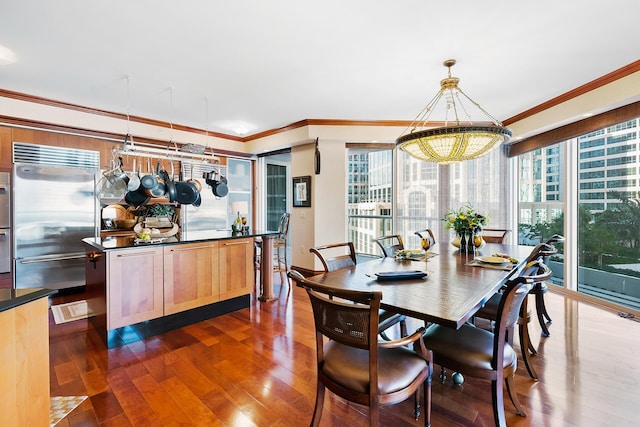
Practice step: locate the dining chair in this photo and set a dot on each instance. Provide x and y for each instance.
(489, 311)
(389, 245)
(540, 289)
(494, 235)
(333, 257)
(353, 364)
(479, 353)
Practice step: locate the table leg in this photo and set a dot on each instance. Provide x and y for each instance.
(266, 269)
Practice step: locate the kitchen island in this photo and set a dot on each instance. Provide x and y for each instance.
(24, 356)
(139, 290)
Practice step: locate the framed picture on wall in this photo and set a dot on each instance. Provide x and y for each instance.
(302, 192)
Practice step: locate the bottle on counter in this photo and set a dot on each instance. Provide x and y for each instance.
(237, 224)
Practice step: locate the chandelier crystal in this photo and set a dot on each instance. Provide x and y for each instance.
(455, 141)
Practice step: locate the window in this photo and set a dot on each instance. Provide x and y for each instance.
(592, 175)
(621, 160)
(369, 196)
(607, 213)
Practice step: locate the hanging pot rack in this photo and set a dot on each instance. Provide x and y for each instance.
(191, 154)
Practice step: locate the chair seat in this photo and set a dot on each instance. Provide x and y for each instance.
(349, 366)
(468, 346)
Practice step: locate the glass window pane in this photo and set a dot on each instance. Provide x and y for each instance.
(609, 215)
(369, 197)
(541, 213)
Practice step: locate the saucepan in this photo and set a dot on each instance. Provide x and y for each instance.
(218, 187)
(154, 185)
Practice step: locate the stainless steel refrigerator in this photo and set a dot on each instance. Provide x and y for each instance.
(54, 208)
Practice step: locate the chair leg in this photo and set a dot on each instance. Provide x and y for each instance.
(541, 310)
(426, 401)
(525, 344)
(497, 399)
(374, 413)
(416, 404)
(403, 328)
(511, 389)
(317, 411)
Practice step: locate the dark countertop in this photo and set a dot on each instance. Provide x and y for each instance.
(12, 298)
(123, 242)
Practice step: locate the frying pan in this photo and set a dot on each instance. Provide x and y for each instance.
(186, 193)
(136, 198)
(170, 184)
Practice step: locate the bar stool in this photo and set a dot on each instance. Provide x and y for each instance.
(280, 261)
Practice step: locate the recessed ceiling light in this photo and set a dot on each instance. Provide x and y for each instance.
(7, 56)
(587, 115)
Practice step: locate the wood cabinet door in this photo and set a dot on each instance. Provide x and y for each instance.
(236, 267)
(191, 276)
(134, 293)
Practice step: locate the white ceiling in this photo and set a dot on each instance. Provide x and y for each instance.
(258, 65)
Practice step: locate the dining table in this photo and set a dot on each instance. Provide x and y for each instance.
(443, 285)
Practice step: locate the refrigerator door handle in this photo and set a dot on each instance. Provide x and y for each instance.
(62, 257)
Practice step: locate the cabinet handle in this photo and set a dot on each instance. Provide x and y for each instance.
(235, 243)
(191, 249)
(136, 254)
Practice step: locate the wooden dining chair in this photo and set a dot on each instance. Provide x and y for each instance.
(489, 311)
(495, 235)
(336, 256)
(353, 364)
(389, 245)
(540, 289)
(484, 354)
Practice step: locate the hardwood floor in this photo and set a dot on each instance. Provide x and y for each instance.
(256, 367)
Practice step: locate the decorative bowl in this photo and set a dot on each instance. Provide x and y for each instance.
(125, 223)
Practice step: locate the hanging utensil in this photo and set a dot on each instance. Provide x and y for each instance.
(112, 187)
(134, 180)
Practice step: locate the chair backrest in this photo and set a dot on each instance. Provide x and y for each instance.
(335, 262)
(556, 238)
(494, 235)
(283, 226)
(426, 234)
(542, 251)
(390, 244)
(338, 318)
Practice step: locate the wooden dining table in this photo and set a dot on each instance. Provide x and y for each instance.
(453, 290)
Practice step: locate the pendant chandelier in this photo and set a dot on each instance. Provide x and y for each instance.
(455, 141)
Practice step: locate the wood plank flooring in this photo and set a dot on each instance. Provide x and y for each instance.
(256, 367)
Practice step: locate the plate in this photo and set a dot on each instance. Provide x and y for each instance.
(492, 260)
(400, 275)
